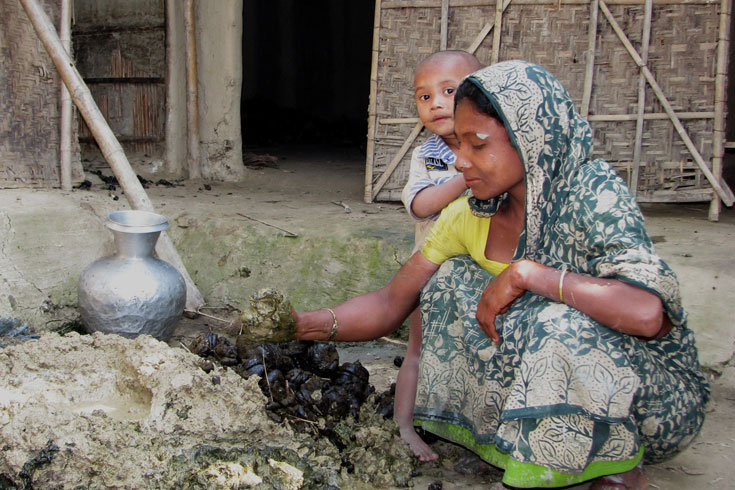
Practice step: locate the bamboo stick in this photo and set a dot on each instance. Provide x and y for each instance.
(397, 158)
(489, 3)
(110, 147)
(591, 50)
(650, 116)
(719, 137)
(498, 25)
(485, 31)
(66, 113)
(720, 188)
(372, 107)
(444, 25)
(192, 94)
(637, 147)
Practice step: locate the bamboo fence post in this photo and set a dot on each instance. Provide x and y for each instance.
(192, 94)
(372, 108)
(66, 113)
(591, 50)
(718, 140)
(498, 25)
(397, 158)
(720, 187)
(645, 44)
(444, 26)
(485, 31)
(105, 138)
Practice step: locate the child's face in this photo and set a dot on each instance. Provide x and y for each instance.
(434, 86)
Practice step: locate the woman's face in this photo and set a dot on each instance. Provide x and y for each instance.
(486, 157)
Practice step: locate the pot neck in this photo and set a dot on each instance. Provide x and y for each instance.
(135, 244)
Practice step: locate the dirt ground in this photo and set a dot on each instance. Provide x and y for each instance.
(305, 191)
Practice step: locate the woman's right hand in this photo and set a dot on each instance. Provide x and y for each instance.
(499, 295)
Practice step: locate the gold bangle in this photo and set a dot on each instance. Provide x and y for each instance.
(561, 286)
(333, 332)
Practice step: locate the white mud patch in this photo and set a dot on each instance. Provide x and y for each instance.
(102, 411)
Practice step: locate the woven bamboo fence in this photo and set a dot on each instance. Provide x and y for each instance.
(29, 102)
(649, 75)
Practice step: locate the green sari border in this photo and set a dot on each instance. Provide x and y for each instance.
(526, 475)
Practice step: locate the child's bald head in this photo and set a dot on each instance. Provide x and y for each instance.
(434, 83)
(459, 60)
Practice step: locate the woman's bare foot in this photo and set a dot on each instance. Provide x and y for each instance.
(420, 449)
(635, 479)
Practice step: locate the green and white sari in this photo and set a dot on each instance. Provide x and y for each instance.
(562, 399)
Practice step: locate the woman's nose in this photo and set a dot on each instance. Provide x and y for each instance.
(461, 163)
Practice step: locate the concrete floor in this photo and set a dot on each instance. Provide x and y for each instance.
(48, 236)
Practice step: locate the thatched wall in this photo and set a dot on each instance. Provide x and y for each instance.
(29, 103)
(682, 57)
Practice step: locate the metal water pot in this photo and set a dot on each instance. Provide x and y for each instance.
(132, 292)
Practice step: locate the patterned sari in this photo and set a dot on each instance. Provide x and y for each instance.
(563, 398)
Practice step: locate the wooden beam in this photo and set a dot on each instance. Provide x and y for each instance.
(372, 107)
(721, 188)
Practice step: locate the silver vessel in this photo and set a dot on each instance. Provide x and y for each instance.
(132, 292)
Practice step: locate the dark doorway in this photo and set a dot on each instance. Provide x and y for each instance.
(306, 72)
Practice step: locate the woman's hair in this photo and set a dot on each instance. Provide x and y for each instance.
(468, 90)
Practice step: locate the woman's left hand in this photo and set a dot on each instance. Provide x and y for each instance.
(499, 295)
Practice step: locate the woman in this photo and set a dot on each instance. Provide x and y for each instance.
(554, 344)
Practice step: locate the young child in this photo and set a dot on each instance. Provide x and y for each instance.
(432, 184)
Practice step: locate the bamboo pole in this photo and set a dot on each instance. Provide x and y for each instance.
(397, 158)
(637, 147)
(650, 116)
(498, 25)
(103, 135)
(591, 50)
(66, 113)
(444, 26)
(192, 94)
(720, 188)
(719, 137)
(485, 31)
(401, 4)
(372, 108)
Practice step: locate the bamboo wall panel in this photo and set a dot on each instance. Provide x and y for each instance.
(29, 102)
(125, 69)
(681, 57)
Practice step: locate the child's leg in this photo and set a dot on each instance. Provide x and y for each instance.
(405, 398)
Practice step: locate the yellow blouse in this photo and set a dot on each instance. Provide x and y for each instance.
(459, 232)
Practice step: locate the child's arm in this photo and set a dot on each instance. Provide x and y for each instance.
(430, 200)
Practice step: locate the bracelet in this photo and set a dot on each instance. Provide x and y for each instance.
(333, 332)
(561, 285)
